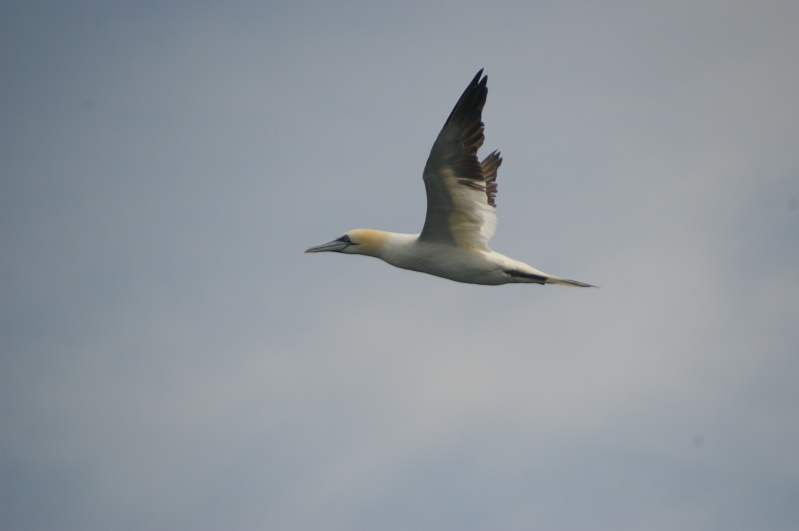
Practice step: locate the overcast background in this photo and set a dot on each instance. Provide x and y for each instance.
(172, 360)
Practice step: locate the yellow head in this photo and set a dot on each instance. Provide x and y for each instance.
(358, 241)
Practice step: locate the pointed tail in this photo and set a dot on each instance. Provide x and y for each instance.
(567, 282)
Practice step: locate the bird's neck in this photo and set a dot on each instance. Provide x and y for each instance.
(383, 244)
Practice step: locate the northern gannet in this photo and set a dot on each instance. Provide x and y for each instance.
(461, 212)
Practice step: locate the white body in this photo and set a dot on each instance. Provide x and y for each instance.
(454, 263)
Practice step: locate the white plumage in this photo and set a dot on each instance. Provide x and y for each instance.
(461, 212)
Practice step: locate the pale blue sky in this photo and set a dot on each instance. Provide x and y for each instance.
(172, 360)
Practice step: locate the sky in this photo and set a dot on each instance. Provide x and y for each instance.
(172, 360)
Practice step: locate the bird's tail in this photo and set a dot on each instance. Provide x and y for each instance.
(567, 282)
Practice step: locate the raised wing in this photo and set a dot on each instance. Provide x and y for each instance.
(460, 190)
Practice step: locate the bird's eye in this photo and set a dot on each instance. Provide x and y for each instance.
(345, 239)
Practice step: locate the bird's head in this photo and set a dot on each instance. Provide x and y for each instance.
(358, 241)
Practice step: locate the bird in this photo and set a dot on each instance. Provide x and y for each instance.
(461, 211)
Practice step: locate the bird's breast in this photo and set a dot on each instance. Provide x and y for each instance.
(447, 261)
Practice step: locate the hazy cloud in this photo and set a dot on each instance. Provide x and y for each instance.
(172, 360)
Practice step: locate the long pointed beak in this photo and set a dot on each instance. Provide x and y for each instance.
(334, 246)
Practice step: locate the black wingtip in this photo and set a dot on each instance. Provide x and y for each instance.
(474, 97)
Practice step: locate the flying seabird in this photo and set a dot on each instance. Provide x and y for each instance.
(461, 212)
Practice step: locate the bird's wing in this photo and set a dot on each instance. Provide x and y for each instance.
(460, 190)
